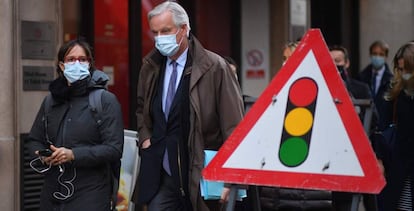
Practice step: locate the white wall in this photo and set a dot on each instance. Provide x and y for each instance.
(391, 21)
(255, 38)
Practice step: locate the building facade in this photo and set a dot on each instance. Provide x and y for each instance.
(33, 30)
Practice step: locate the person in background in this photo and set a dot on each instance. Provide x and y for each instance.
(377, 74)
(233, 65)
(288, 50)
(399, 109)
(188, 100)
(83, 156)
(357, 90)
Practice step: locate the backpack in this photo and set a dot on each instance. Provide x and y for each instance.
(95, 104)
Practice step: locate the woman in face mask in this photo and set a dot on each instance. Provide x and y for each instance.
(78, 149)
(398, 157)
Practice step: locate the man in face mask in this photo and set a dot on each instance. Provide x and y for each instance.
(188, 100)
(355, 88)
(377, 74)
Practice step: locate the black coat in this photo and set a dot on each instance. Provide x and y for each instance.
(358, 89)
(70, 124)
(286, 199)
(399, 159)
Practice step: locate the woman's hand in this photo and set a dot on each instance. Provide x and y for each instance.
(225, 195)
(59, 156)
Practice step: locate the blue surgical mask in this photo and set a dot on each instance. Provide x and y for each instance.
(76, 71)
(377, 61)
(167, 44)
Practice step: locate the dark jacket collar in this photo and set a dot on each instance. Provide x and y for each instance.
(61, 91)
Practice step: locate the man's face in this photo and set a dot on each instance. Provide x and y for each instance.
(286, 54)
(339, 58)
(378, 51)
(163, 24)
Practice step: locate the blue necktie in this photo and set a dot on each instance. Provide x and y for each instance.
(171, 89)
(168, 101)
(374, 83)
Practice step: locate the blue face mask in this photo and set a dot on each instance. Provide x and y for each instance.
(167, 44)
(76, 71)
(377, 61)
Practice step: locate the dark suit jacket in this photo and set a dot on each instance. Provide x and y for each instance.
(171, 134)
(366, 77)
(358, 89)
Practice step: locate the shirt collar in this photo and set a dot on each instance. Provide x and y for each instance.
(380, 71)
(181, 59)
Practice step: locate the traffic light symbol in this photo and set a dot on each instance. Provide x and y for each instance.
(298, 122)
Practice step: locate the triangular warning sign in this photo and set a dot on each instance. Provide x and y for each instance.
(302, 132)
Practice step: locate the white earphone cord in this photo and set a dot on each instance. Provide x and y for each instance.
(68, 185)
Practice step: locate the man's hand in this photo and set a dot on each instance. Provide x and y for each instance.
(381, 166)
(225, 195)
(146, 144)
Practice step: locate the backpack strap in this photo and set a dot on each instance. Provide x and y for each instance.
(95, 103)
(48, 104)
(47, 107)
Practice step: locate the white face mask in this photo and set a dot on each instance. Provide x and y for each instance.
(167, 44)
(75, 72)
(406, 76)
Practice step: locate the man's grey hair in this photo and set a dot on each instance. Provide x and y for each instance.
(179, 15)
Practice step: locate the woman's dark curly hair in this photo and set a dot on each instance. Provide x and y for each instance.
(67, 47)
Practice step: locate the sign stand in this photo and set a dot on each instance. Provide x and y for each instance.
(232, 198)
(253, 195)
(355, 201)
(365, 106)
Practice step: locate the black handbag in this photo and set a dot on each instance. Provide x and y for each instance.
(384, 142)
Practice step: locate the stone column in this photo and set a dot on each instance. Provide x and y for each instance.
(17, 106)
(8, 161)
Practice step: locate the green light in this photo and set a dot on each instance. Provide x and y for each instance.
(293, 151)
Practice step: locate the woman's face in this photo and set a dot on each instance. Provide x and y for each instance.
(77, 53)
(286, 54)
(401, 66)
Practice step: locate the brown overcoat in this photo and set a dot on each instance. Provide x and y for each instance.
(216, 106)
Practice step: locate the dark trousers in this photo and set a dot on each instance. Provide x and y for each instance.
(168, 197)
(342, 201)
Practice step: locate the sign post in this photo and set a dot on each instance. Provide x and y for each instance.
(302, 132)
